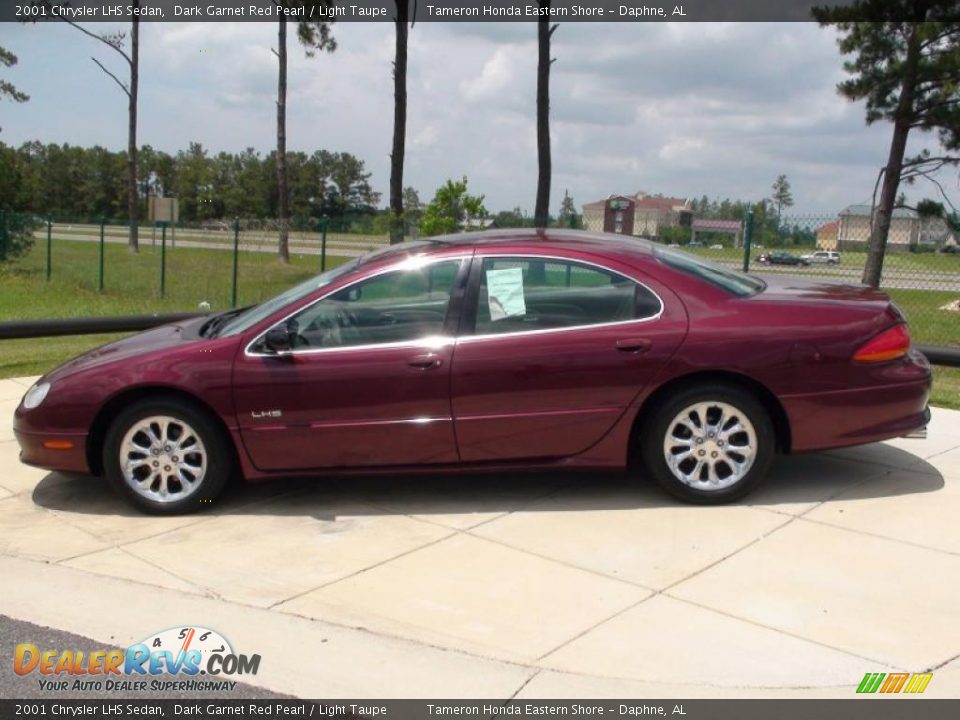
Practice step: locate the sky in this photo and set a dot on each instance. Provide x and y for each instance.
(685, 110)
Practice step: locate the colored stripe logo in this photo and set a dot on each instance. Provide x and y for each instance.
(914, 683)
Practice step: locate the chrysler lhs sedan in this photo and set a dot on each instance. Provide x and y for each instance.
(489, 351)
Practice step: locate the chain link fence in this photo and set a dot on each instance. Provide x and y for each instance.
(921, 268)
(215, 264)
(206, 265)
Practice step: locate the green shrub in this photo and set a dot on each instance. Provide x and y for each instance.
(16, 234)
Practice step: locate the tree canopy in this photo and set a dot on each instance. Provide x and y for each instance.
(8, 89)
(451, 209)
(904, 63)
(89, 183)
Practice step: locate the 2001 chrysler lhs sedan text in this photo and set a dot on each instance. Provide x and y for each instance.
(493, 350)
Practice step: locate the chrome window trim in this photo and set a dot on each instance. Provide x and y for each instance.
(541, 331)
(441, 341)
(431, 341)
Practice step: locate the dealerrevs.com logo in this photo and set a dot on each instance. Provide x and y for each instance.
(187, 652)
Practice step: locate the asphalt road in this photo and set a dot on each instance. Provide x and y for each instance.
(15, 687)
(893, 278)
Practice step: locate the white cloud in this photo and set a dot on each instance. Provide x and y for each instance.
(683, 109)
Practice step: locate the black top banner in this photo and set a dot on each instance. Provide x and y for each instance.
(623, 11)
(114, 709)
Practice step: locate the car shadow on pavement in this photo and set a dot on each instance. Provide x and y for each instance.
(878, 471)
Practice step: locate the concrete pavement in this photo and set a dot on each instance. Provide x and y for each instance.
(526, 585)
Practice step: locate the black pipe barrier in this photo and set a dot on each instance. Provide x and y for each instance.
(937, 355)
(88, 326)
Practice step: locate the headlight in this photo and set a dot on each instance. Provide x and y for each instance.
(35, 395)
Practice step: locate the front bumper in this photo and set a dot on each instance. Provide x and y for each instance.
(66, 452)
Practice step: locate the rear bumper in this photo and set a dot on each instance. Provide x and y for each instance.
(856, 417)
(65, 459)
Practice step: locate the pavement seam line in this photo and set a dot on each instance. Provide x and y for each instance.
(603, 621)
(917, 467)
(202, 519)
(422, 517)
(556, 561)
(790, 520)
(830, 497)
(899, 541)
(681, 683)
(362, 570)
(781, 631)
(526, 682)
(942, 664)
(204, 591)
(663, 590)
(288, 613)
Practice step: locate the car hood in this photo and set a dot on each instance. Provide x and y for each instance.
(135, 346)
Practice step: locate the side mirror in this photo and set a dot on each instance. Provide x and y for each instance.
(278, 340)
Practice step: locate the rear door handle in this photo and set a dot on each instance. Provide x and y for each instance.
(425, 361)
(634, 345)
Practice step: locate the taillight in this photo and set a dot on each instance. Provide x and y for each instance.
(888, 345)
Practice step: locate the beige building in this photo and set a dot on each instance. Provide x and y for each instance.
(827, 235)
(641, 215)
(853, 231)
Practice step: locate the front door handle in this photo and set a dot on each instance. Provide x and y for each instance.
(634, 345)
(425, 361)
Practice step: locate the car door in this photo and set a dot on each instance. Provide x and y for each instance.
(366, 382)
(552, 352)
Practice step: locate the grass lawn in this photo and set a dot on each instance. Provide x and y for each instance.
(132, 286)
(132, 281)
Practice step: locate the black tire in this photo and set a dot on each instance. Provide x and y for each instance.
(216, 450)
(653, 435)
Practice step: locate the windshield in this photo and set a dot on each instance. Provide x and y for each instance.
(251, 317)
(738, 283)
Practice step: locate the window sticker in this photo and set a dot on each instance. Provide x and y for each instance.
(505, 293)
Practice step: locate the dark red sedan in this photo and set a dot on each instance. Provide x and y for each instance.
(489, 351)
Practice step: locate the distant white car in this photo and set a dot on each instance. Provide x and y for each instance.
(830, 257)
(717, 246)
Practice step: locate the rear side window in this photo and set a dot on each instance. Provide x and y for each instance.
(520, 294)
(734, 282)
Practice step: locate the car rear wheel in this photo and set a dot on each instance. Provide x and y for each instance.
(166, 456)
(708, 445)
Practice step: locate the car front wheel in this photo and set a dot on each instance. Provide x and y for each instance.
(166, 456)
(708, 445)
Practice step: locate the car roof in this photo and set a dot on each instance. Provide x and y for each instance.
(572, 240)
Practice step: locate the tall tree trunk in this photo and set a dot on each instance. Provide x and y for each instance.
(282, 199)
(399, 123)
(544, 31)
(880, 227)
(133, 190)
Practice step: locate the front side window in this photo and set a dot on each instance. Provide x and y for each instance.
(521, 294)
(399, 306)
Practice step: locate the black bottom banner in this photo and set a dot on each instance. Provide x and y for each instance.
(874, 708)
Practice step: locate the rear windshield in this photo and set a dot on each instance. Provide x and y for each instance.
(737, 283)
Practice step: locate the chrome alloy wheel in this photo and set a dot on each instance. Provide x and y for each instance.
(710, 446)
(162, 458)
